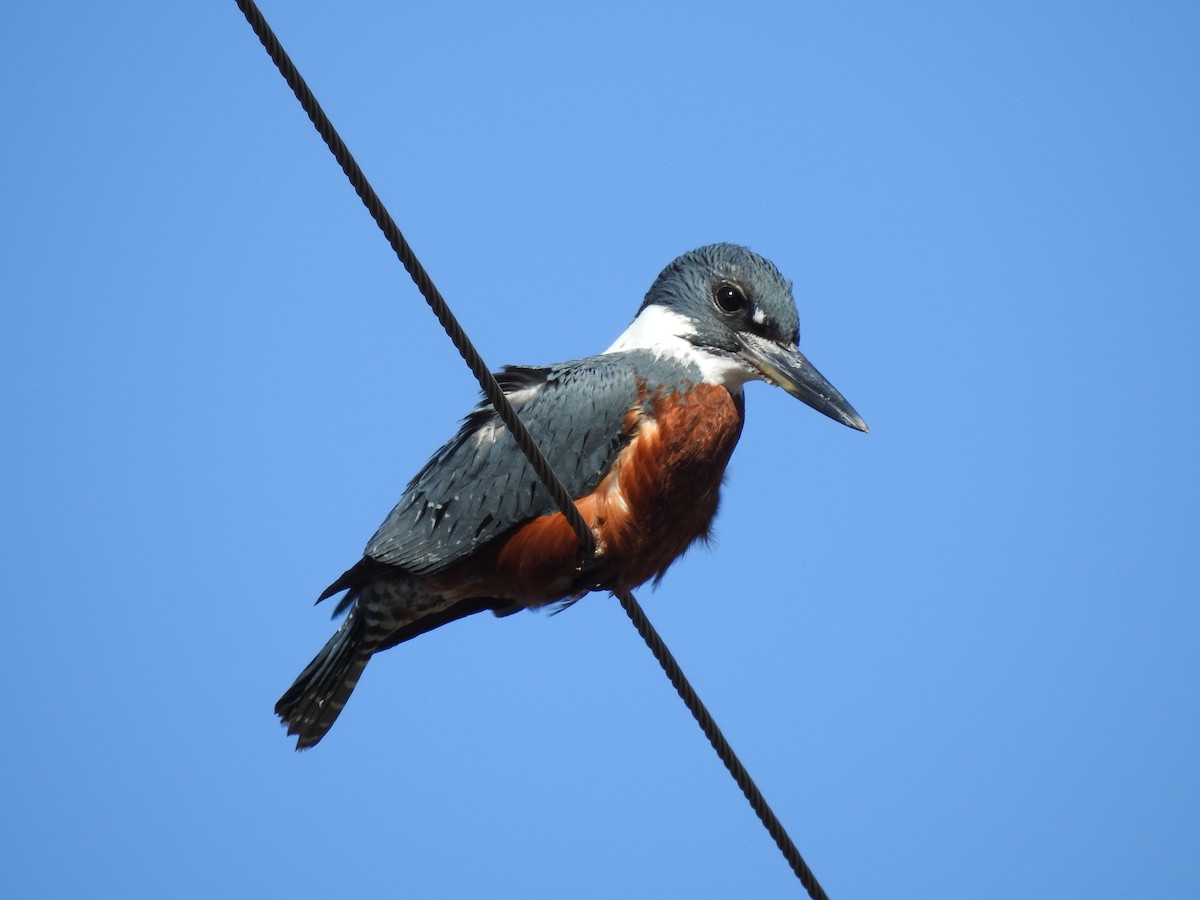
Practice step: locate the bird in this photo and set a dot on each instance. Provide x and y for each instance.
(640, 435)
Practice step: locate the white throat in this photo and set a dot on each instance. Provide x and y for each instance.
(665, 333)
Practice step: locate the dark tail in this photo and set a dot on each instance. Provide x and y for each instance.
(312, 704)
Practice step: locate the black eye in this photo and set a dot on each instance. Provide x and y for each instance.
(730, 298)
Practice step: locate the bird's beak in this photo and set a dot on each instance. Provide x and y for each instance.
(787, 367)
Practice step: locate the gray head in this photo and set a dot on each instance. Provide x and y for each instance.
(723, 287)
(730, 312)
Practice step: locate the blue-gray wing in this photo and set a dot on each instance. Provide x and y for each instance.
(479, 485)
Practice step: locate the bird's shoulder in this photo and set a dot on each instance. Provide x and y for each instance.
(479, 484)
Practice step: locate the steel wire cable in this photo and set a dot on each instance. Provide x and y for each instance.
(525, 441)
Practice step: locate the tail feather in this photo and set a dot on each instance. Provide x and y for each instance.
(311, 705)
(386, 608)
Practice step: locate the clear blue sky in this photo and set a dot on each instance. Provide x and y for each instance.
(959, 654)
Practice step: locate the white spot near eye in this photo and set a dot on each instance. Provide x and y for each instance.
(759, 316)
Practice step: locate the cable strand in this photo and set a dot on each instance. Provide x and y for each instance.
(495, 395)
(720, 744)
(408, 258)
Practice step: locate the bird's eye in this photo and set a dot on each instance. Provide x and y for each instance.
(730, 298)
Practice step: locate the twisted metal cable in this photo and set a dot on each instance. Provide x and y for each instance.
(408, 258)
(720, 744)
(525, 441)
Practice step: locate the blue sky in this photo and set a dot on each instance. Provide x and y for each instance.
(959, 654)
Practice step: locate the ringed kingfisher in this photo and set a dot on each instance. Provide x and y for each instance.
(640, 435)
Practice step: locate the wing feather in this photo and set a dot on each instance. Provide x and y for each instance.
(479, 485)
